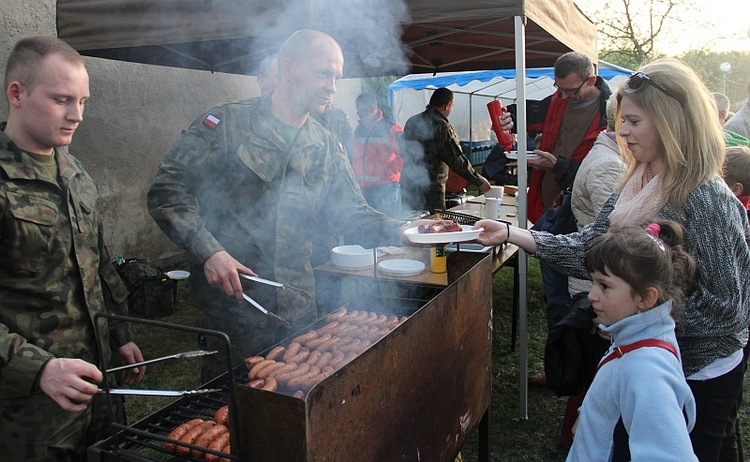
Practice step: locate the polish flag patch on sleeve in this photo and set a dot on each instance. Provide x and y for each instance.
(211, 120)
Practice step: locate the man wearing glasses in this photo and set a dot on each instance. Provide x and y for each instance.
(570, 121)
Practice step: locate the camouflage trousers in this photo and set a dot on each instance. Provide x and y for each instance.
(36, 429)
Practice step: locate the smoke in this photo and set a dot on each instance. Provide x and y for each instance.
(368, 31)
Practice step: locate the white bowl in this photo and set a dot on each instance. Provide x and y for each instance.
(178, 274)
(495, 191)
(351, 257)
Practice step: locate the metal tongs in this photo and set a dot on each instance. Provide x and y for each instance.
(268, 282)
(186, 354)
(134, 392)
(281, 321)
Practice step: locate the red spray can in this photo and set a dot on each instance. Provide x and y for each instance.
(503, 137)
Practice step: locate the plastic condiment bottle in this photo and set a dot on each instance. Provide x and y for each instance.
(438, 260)
(505, 138)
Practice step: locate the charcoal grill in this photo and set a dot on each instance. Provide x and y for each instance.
(415, 395)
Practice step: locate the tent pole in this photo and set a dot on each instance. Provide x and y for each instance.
(523, 325)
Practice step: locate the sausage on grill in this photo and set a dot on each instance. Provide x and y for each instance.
(179, 432)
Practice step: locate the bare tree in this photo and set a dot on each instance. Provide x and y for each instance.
(629, 29)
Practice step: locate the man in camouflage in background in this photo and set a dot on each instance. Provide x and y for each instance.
(242, 189)
(55, 273)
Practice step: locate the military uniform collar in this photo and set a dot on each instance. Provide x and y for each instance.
(19, 166)
(265, 125)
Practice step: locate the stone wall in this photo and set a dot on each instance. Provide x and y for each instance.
(135, 114)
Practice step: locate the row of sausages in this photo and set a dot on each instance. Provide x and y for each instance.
(315, 355)
(209, 434)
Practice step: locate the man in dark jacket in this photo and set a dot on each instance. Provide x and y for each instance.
(431, 148)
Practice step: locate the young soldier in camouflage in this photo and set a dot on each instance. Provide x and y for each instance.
(55, 273)
(242, 189)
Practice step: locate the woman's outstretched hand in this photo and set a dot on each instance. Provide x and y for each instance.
(494, 232)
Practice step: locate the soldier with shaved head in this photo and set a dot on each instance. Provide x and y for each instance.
(244, 189)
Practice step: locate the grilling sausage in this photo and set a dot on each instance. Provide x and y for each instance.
(299, 381)
(179, 432)
(325, 358)
(328, 344)
(328, 328)
(222, 415)
(266, 371)
(314, 357)
(300, 357)
(336, 315)
(313, 344)
(338, 356)
(253, 374)
(193, 435)
(256, 383)
(253, 360)
(205, 438)
(287, 376)
(304, 338)
(292, 350)
(275, 352)
(288, 367)
(270, 385)
(218, 444)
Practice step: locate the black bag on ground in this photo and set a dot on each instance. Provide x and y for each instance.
(151, 291)
(573, 349)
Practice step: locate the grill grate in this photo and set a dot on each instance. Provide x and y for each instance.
(143, 441)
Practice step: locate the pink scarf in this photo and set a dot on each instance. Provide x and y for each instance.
(641, 199)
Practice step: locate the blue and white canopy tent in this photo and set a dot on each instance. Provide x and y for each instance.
(473, 90)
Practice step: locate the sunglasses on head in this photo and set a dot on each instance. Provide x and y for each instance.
(638, 80)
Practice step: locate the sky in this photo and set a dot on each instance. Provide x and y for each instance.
(704, 23)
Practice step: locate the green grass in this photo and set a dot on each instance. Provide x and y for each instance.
(535, 439)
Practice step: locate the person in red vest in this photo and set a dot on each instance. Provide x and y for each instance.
(570, 120)
(375, 156)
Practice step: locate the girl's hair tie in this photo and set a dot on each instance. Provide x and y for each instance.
(653, 231)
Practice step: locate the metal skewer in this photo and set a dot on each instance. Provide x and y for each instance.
(127, 391)
(187, 354)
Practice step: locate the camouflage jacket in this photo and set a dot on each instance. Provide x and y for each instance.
(231, 182)
(54, 270)
(431, 144)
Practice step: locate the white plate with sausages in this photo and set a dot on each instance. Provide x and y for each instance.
(466, 234)
(401, 267)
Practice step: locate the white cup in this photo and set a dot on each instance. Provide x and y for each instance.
(495, 191)
(493, 208)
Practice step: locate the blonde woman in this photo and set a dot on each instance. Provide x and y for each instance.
(675, 149)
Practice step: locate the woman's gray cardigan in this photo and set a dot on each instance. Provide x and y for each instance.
(716, 310)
